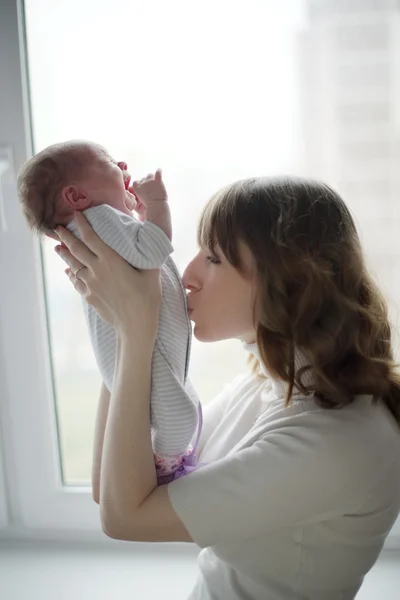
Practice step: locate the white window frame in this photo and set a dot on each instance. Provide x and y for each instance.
(33, 501)
(32, 487)
(4, 516)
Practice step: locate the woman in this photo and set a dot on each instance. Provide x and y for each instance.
(302, 481)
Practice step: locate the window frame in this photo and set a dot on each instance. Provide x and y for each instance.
(4, 515)
(33, 501)
(38, 501)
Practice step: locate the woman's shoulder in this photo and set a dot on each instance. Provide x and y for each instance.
(362, 432)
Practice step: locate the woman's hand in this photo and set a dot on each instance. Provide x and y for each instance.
(128, 299)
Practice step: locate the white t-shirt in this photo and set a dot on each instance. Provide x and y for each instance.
(294, 507)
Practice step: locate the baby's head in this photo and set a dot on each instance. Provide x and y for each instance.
(71, 176)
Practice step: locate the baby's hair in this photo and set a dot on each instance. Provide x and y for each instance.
(42, 178)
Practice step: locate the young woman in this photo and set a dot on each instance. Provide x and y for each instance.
(301, 484)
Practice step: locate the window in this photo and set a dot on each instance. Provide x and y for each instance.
(177, 105)
(359, 190)
(362, 37)
(161, 91)
(363, 76)
(180, 108)
(366, 114)
(333, 9)
(366, 150)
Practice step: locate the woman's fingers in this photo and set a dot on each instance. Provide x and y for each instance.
(73, 263)
(78, 284)
(87, 251)
(50, 234)
(73, 251)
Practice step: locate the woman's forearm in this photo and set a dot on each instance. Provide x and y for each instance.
(128, 473)
(99, 430)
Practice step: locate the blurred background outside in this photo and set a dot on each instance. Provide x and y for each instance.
(212, 92)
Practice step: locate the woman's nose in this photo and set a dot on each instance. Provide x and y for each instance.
(185, 280)
(188, 277)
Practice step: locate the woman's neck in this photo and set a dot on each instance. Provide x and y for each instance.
(278, 385)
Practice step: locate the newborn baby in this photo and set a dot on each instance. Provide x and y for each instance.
(82, 176)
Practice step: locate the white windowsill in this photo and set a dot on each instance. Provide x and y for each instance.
(65, 571)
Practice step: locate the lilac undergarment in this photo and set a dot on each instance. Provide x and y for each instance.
(189, 462)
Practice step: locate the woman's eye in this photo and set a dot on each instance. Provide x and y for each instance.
(213, 260)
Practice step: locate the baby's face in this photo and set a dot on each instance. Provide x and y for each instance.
(107, 182)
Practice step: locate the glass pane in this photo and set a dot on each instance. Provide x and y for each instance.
(213, 92)
(152, 82)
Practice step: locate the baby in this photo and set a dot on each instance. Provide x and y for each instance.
(82, 176)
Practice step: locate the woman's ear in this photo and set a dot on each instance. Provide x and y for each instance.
(74, 198)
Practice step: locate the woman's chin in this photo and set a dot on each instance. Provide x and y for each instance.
(202, 336)
(198, 333)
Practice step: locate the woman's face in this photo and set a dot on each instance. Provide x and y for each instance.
(220, 299)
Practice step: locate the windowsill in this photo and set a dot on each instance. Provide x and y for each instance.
(65, 570)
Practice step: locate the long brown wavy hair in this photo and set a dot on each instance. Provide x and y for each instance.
(314, 292)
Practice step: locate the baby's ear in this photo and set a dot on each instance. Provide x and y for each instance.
(74, 198)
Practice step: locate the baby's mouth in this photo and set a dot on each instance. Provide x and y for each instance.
(127, 181)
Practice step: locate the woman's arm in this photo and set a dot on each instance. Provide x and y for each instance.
(100, 426)
(131, 504)
(128, 473)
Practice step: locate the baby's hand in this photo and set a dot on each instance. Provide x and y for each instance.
(130, 200)
(150, 189)
(152, 201)
(140, 210)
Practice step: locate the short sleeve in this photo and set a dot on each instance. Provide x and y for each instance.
(290, 476)
(143, 245)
